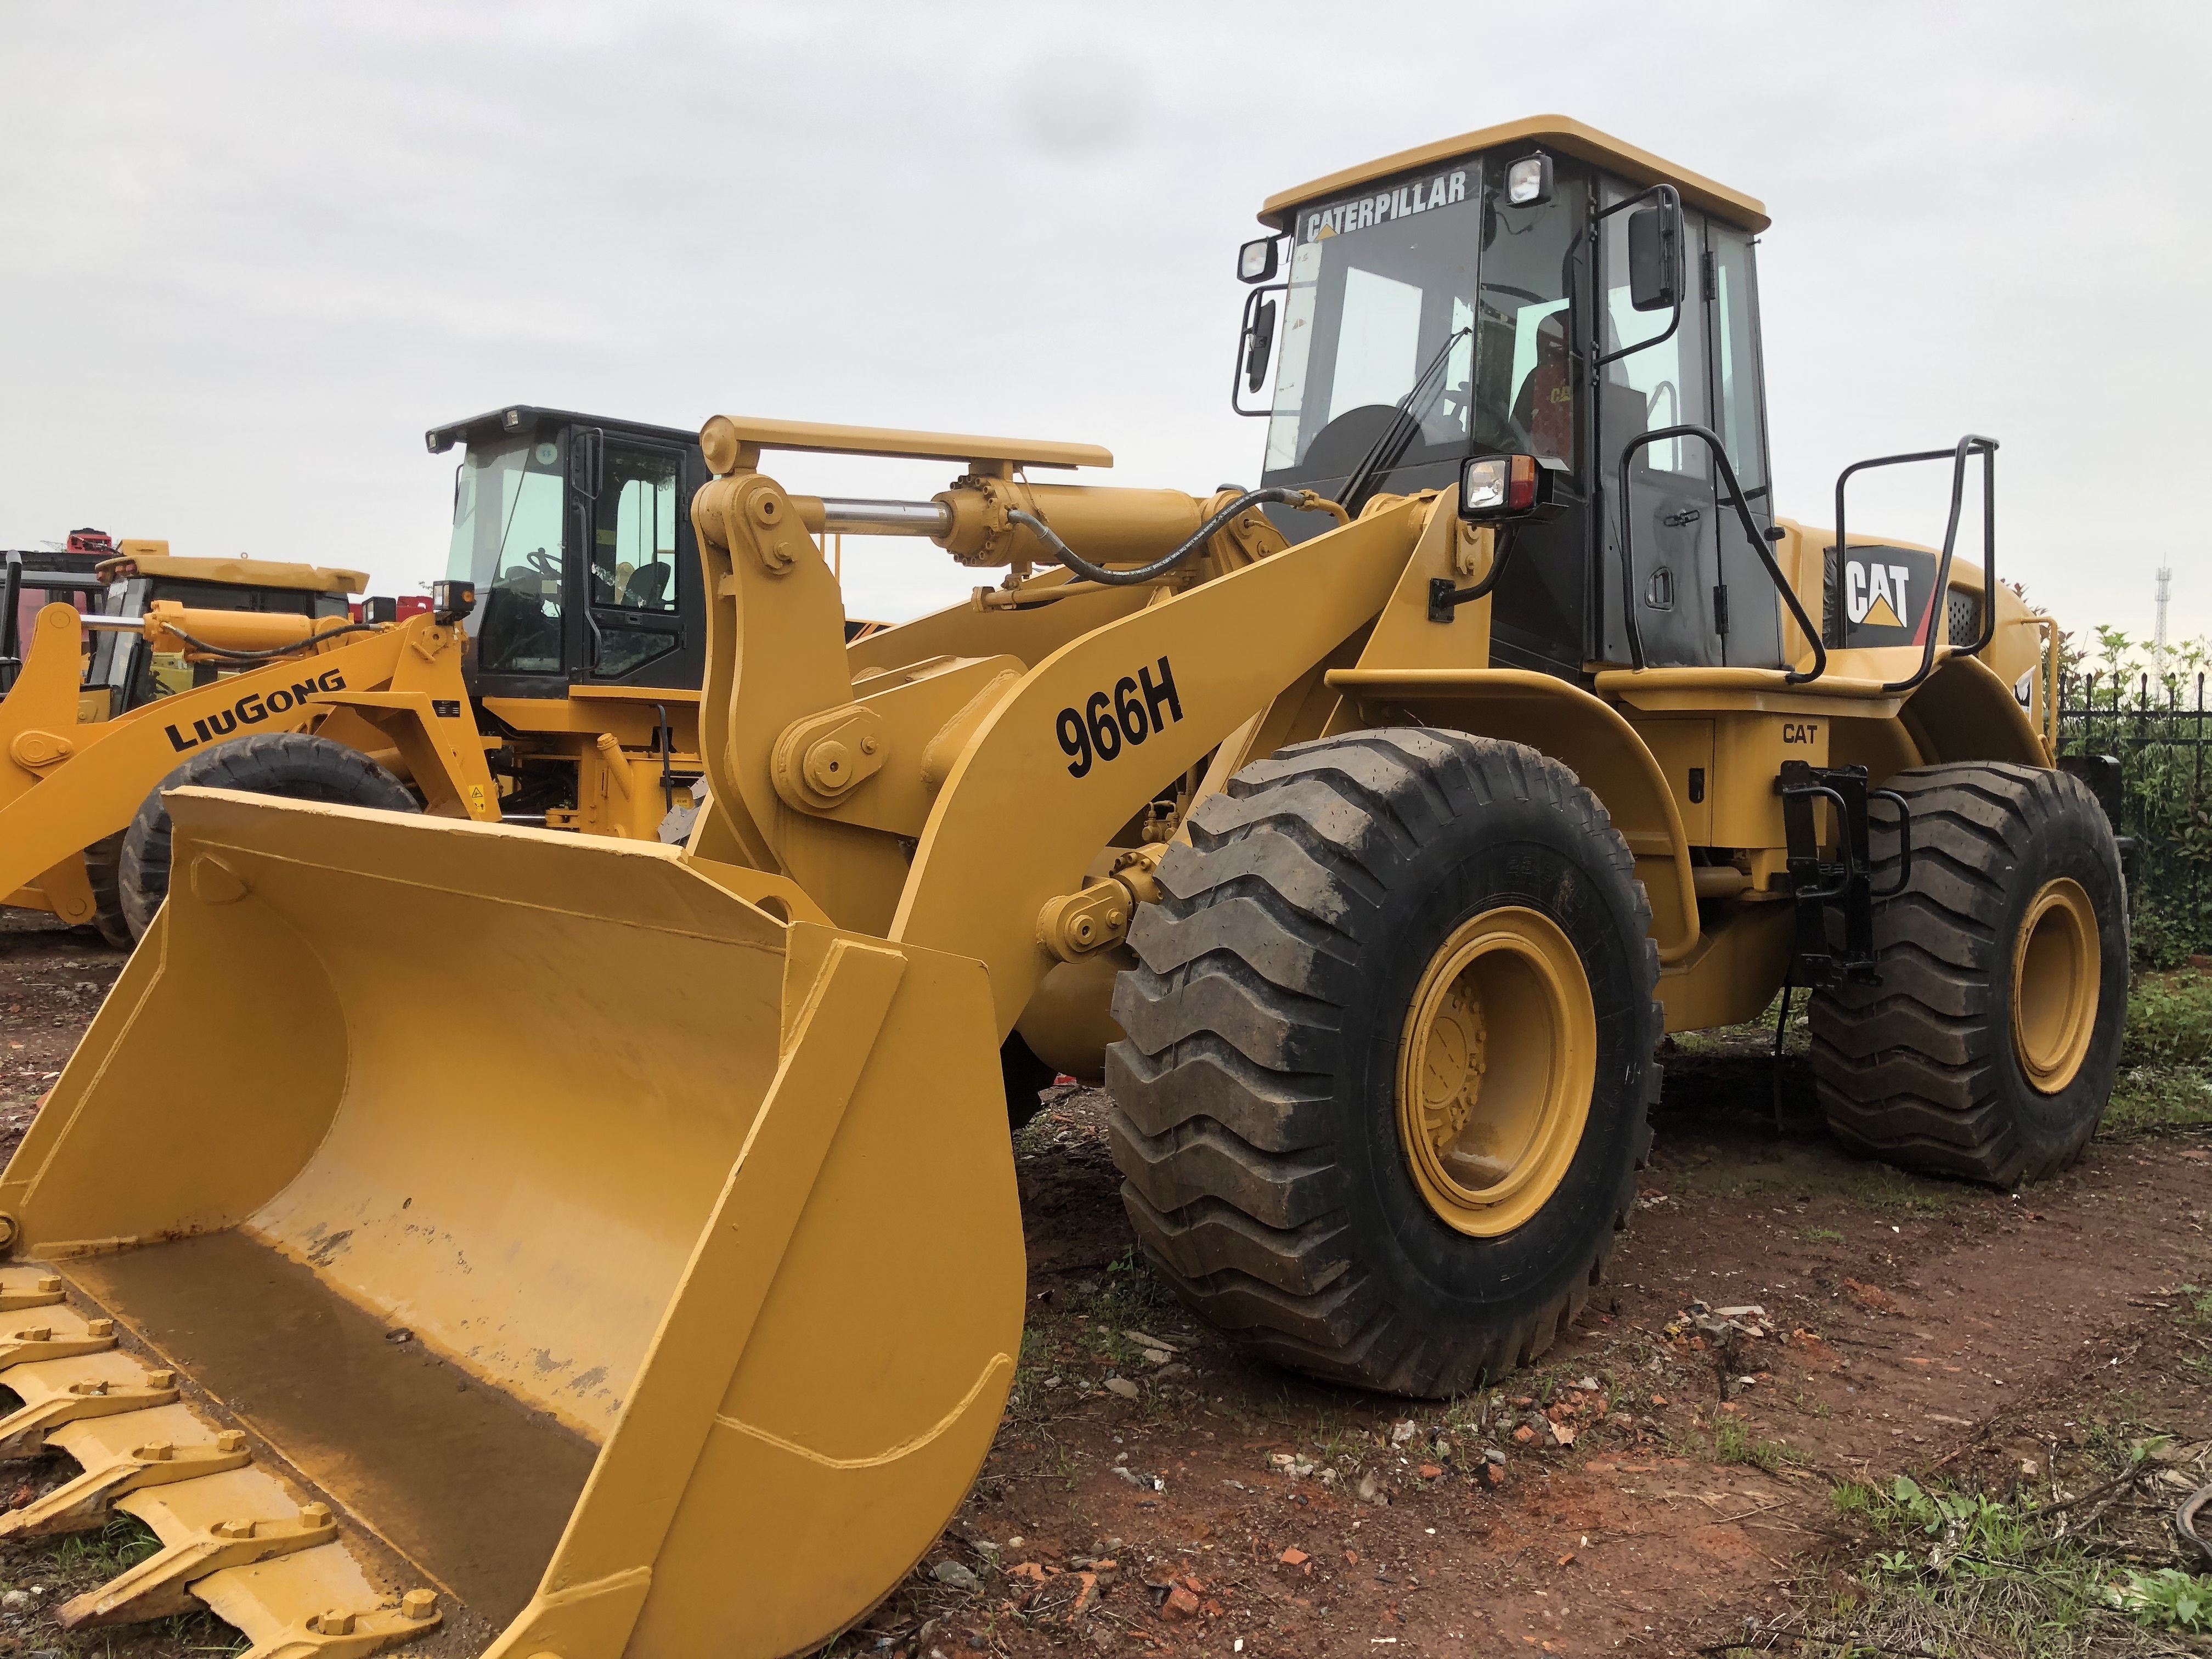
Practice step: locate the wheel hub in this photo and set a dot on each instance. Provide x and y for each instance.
(1496, 1068)
(2054, 985)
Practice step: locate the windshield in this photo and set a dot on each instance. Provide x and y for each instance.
(1380, 310)
(506, 539)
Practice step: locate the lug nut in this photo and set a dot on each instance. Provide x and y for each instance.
(419, 1604)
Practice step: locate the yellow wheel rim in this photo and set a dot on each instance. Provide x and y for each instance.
(1495, 1070)
(2054, 985)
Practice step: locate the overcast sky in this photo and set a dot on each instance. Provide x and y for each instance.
(249, 253)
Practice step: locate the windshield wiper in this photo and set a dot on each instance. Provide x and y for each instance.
(1390, 448)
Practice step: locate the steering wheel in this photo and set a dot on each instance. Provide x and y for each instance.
(538, 560)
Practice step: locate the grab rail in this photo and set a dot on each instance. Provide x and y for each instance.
(1939, 601)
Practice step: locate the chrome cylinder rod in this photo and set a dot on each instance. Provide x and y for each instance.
(853, 518)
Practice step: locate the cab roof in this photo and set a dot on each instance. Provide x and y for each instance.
(1554, 132)
(512, 419)
(234, 572)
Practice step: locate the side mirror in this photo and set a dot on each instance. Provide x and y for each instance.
(1259, 344)
(1501, 488)
(1655, 257)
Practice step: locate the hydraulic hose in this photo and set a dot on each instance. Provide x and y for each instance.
(1303, 501)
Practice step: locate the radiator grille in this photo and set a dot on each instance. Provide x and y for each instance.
(1963, 613)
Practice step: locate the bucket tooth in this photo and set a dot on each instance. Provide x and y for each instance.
(86, 1502)
(160, 1585)
(237, 1536)
(20, 1289)
(61, 1333)
(23, 1433)
(268, 1602)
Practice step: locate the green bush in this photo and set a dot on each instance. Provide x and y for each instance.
(2169, 1020)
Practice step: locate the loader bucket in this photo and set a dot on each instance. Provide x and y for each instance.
(530, 1224)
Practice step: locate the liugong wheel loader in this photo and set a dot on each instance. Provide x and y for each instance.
(614, 1247)
(569, 636)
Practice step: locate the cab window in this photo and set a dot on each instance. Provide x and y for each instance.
(1528, 369)
(634, 541)
(507, 502)
(1735, 358)
(1660, 382)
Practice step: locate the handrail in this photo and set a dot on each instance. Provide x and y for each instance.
(1758, 538)
(1939, 601)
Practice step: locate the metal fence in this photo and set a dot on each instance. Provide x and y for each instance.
(2161, 733)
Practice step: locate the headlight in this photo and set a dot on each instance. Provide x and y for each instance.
(1528, 180)
(1502, 486)
(1484, 489)
(451, 601)
(1255, 261)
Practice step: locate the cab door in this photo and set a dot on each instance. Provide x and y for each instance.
(1652, 375)
(640, 568)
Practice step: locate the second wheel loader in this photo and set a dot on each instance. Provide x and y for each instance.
(611, 1248)
(569, 669)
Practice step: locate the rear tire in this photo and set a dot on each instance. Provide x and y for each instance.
(1988, 1049)
(294, 764)
(1310, 930)
(103, 869)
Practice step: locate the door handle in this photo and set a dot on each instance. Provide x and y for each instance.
(1676, 520)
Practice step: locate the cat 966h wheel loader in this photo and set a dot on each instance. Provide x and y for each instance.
(615, 1246)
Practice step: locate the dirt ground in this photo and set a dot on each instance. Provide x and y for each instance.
(1782, 1317)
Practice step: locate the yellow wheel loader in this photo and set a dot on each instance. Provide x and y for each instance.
(607, 1248)
(577, 661)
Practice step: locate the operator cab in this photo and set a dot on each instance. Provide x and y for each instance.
(576, 533)
(1539, 289)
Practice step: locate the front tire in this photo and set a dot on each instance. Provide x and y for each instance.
(1988, 1050)
(103, 870)
(297, 765)
(1389, 1057)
